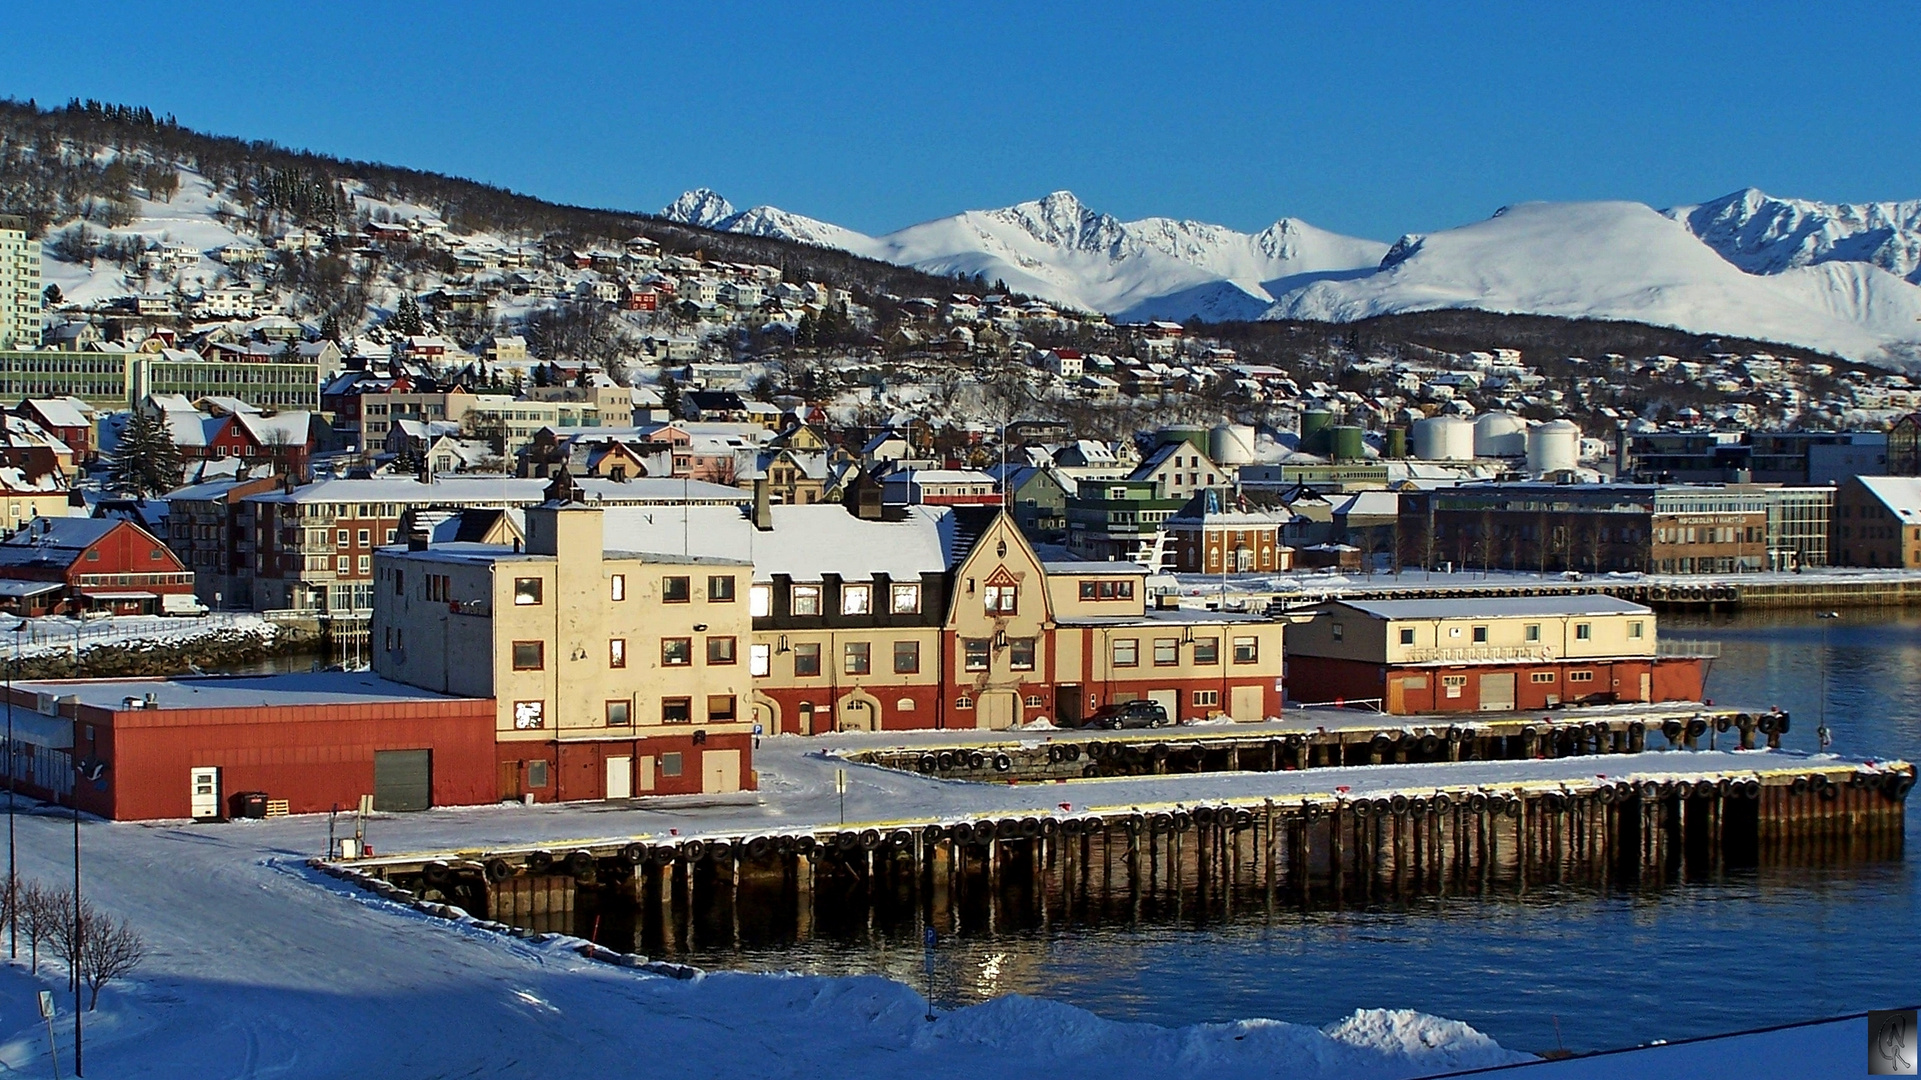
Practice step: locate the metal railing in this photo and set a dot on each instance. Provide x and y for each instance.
(39, 635)
(1706, 650)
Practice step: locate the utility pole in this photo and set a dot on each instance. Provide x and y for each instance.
(13, 877)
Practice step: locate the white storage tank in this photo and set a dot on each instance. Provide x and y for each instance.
(1231, 444)
(1500, 434)
(1554, 447)
(1444, 438)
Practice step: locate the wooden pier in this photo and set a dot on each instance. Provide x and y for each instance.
(1206, 859)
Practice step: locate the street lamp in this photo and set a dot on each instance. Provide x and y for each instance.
(13, 879)
(1821, 732)
(84, 769)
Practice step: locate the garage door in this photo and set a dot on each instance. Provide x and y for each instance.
(1169, 700)
(403, 779)
(1497, 692)
(720, 771)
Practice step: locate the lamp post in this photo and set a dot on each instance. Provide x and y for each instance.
(88, 768)
(1821, 732)
(13, 886)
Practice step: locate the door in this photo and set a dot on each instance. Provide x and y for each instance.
(403, 779)
(1067, 705)
(995, 710)
(620, 778)
(1497, 691)
(1647, 686)
(1396, 696)
(507, 779)
(1169, 699)
(857, 714)
(644, 772)
(205, 786)
(1248, 703)
(720, 771)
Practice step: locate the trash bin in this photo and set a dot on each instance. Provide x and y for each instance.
(250, 804)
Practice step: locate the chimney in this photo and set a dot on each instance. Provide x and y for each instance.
(763, 510)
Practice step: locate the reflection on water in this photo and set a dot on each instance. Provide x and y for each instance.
(1616, 966)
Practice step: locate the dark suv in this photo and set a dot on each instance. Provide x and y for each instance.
(1129, 714)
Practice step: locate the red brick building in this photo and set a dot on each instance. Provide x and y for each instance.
(100, 564)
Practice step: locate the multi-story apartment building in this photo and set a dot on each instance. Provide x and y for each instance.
(1877, 522)
(20, 299)
(1119, 519)
(613, 673)
(209, 530)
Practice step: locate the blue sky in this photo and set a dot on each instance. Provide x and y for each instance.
(1372, 119)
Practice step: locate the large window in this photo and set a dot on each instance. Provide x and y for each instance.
(975, 653)
(1107, 590)
(1247, 650)
(1003, 599)
(526, 591)
(1167, 651)
(760, 660)
(906, 599)
(619, 714)
(676, 590)
(676, 651)
(858, 658)
(720, 650)
(720, 588)
(720, 708)
(529, 715)
(1207, 650)
(807, 658)
(676, 710)
(1020, 653)
(529, 655)
(1127, 652)
(617, 652)
(906, 657)
(806, 600)
(760, 601)
(856, 599)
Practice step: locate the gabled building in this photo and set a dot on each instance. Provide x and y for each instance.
(68, 565)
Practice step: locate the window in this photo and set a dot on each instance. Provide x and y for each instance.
(619, 714)
(1002, 599)
(1247, 650)
(536, 774)
(400, 584)
(94, 556)
(1532, 632)
(364, 537)
(1583, 631)
(1407, 635)
(974, 654)
(392, 535)
(720, 708)
(760, 660)
(529, 655)
(806, 600)
(1207, 650)
(1480, 635)
(906, 599)
(906, 657)
(1339, 631)
(364, 564)
(760, 601)
(340, 538)
(676, 710)
(856, 658)
(617, 652)
(720, 650)
(344, 564)
(530, 715)
(963, 702)
(526, 591)
(1167, 651)
(676, 590)
(676, 651)
(670, 764)
(154, 554)
(720, 589)
(1020, 653)
(1107, 590)
(1634, 629)
(807, 658)
(856, 599)
(617, 587)
(1127, 652)
(1207, 697)
(1580, 676)
(1452, 685)
(1034, 701)
(1541, 677)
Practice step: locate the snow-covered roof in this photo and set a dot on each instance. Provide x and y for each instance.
(238, 691)
(61, 411)
(1498, 607)
(1900, 494)
(805, 543)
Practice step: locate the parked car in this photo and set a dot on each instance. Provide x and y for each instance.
(1129, 714)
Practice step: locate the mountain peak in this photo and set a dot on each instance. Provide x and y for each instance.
(701, 206)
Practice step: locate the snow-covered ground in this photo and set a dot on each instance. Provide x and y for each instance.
(1322, 582)
(55, 635)
(264, 967)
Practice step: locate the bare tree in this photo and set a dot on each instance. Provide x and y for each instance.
(114, 949)
(42, 910)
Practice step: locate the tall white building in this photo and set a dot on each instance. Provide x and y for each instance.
(20, 300)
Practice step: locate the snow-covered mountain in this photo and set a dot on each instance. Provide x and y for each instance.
(1766, 235)
(1843, 278)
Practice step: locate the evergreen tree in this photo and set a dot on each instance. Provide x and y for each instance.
(406, 318)
(146, 462)
(669, 393)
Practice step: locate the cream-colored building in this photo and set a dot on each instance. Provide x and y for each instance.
(20, 299)
(613, 673)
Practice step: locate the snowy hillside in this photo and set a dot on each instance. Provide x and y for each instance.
(1766, 235)
(1748, 265)
(1620, 260)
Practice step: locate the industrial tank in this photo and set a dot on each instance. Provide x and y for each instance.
(1194, 435)
(1500, 434)
(1347, 443)
(1553, 447)
(1397, 442)
(1314, 425)
(1444, 438)
(1231, 444)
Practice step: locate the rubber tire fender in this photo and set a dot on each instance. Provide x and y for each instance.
(498, 870)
